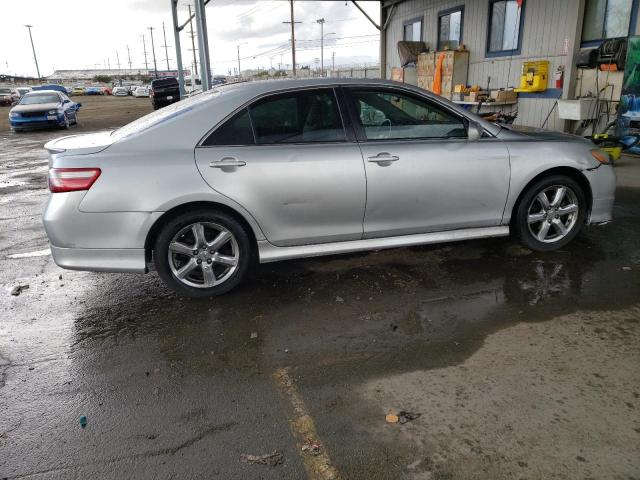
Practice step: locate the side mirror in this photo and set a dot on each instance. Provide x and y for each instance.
(474, 131)
(78, 105)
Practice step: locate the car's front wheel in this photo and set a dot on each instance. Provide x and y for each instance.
(202, 253)
(550, 213)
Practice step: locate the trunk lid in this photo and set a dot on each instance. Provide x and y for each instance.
(84, 144)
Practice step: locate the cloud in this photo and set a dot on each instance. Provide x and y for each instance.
(99, 30)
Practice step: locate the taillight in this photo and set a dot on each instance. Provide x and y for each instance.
(151, 93)
(72, 179)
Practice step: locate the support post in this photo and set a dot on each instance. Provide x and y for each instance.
(203, 45)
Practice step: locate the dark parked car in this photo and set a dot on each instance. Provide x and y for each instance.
(44, 108)
(164, 91)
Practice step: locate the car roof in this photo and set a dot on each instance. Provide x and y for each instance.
(40, 92)
(252, 89)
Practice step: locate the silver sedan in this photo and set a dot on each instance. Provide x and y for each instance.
(275, 170)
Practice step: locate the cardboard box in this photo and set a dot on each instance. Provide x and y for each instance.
(504, 95)
(476, 96)
(397, 74)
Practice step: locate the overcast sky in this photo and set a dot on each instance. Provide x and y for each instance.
(70, 34)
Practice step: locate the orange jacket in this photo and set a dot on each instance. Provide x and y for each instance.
(437, 77)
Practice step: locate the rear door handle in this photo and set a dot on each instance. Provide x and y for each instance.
(227, 162)
(383, 157)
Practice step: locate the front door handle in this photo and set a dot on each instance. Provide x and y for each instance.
(383, 157)
(227, 162)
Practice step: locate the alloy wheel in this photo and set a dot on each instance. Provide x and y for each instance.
(203, 254)
(553, 213)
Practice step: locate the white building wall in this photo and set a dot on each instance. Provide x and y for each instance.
(549, 32)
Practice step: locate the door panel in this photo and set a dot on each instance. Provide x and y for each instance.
(298, 194)
(423, 174)
(303, 182)
(434, 185)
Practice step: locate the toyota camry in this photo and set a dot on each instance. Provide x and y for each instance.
(276, 170)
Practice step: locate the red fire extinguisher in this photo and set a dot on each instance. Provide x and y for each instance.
(560, 76)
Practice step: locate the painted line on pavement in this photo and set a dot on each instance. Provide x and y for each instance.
(318, 467)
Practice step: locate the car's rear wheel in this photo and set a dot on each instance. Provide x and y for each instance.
(66, 123)
(202, 253)
(550, 213)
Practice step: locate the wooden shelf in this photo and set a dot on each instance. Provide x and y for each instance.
(487, 104)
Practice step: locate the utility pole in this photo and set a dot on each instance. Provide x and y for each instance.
(333, 61)
(239, 71)
(193, 43)
(293, 38)
(166, 51)
(153, 50)
(118, 59)
(129, 57)
(108, 63)
(35, 59)
(144, 47)
(321, 22)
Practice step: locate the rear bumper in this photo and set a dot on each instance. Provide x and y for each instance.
(127, 260)
(104, 242)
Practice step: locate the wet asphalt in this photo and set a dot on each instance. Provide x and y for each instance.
(181, 388)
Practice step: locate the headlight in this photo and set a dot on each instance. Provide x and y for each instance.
(52, 112)
(13, 115)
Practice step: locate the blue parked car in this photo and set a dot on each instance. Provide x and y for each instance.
(51, 86)
(44, 108)
(94, 91)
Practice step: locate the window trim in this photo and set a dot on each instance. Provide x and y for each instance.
(361, 136)
(504, 53)
(346, 124)
(411, 22)
(449, 11)
(631, 31)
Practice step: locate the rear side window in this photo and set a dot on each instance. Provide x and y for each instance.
(235, 131)
(298, 117)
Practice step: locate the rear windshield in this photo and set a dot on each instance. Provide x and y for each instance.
(164, 82)
(39, 98)
(164, 114)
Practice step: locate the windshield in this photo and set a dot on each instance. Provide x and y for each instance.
(39, 98)
(164, 114)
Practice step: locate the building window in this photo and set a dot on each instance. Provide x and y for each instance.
(505, 27)
(606, 19)
(450, 28)
(413, 30)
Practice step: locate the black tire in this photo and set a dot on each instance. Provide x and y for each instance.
(177, 224)
(520, 222)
